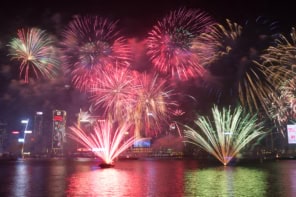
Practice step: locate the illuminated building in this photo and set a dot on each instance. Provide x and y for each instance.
(38, 124)
(58, 131)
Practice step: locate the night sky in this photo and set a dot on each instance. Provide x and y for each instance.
(136, 17)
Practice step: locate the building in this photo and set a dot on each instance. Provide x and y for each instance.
(58, 131)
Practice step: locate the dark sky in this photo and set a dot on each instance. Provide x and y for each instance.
(139, 15)
(137, 18)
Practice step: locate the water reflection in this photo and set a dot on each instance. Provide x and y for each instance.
(56, 178)
(146, 178)
(36, 178)
(226, 181)
(284, 178)
(20, 181)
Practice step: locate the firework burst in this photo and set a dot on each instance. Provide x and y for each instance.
(169, 43)
(283, 52)
(213, 46)
(115, 92)
(107, 141)
(282, 56)
(35, 49)
(283, 108)
(91, 44)
(226, 134)
(219, 42)
(237, 62)
(153, 104)
(289, 91)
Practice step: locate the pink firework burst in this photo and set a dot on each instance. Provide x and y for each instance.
(169, 43)
(115, 92)
(153, 106)
(36, 51)
(107, 140)
(90, 44)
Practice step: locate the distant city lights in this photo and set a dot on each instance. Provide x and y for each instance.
(15, 132)
(25, 121)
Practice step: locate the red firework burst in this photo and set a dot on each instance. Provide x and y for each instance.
(91, 44)
(114, 91)
(169, 43)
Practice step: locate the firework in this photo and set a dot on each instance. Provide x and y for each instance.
(153, 104)
(35, 49)
(282, 56)
(226, 134)
(85, 117)
(213, 46)
(115, 92)
(169, 43)
(279, 111)
(219, 42)
(289, 91)
(107, 141)
(283, 52)
(283, 108)
(237, 64)
(91, 44)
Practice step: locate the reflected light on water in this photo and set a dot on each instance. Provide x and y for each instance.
(287, 174)
(56, 180)
(20, 186)
(135, 179)
(103, 182)
(32, 179)
(171, 178)
(226, 181)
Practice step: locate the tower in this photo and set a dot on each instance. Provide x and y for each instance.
(38, 135)
(58, 131)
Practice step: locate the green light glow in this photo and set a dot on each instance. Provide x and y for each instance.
(226, 133)
(226, 181)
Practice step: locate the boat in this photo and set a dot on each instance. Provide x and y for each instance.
(106, 165)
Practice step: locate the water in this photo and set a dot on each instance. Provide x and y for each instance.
(155, 178)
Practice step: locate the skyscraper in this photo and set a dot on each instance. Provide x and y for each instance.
(59, 131)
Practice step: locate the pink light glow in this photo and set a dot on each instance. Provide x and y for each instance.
(169, 43)
(110, 140)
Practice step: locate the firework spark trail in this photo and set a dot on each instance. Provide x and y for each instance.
(115, 92)
(219, 42)
(281, 56)
(283, 52)
(211, 47)
(283, 108)
(153, 104)
(253, 80)
(289, 91)
(227, 134)
(106, 141)
(35, 49)
(91, 44)
(169, 43)
(279, 112)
